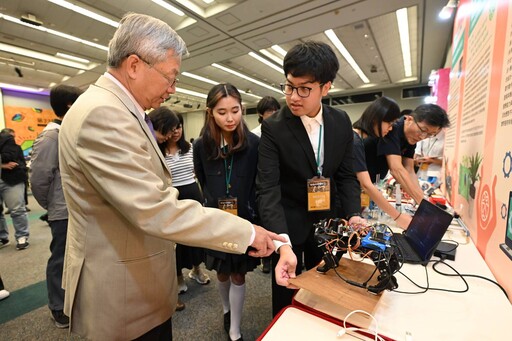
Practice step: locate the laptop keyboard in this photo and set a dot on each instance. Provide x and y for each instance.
(407, 253)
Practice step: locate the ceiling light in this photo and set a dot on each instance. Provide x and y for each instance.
(408, 79)
(344, 52)
(447, 11)
(50, 31)
(209, 81)
(85, 12)
(199, 78)
(70, 57)
(241, 75)
(403, 30)
(266, 62)
(208, 1)
(14, 87)
(272, 56)
(279, 50)
(368, 85)
(169, 7)
(45, 57)
(190, 92)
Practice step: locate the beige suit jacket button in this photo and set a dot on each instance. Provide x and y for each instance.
(235, 246)
(225, 244)
(230, 245)
(169, 182)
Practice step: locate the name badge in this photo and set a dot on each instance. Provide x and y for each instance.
(229, 205)
(365, 199)
(319, 194)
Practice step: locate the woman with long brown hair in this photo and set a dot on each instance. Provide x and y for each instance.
(225, 159)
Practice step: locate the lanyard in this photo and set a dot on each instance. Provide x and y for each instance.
(229, 171)
(319, 173)
(431, 144)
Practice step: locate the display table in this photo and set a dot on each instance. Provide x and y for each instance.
(297, 324)
(482, 313)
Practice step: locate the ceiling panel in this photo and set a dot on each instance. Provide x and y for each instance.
(226, 31)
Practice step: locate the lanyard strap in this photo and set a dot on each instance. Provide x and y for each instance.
(319, 173)
(431, 145)
(229, 171)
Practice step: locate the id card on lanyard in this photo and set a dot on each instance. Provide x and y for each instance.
(318, 187)
(319, 194)
(228, 203)
(365, 199)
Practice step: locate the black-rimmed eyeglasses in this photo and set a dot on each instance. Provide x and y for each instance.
(302, 91)
(424, 132)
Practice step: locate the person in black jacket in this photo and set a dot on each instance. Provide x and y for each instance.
(305, 146)
(12, 188)
(225, 159)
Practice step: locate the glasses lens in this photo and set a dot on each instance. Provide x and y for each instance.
(286, 89)
(303, 91)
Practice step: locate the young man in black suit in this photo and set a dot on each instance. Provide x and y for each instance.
(306, 145)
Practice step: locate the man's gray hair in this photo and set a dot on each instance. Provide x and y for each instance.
(148, 37)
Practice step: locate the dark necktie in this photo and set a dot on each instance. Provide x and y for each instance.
(150, 124)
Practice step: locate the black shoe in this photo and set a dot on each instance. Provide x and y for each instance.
(60, 319)
(22, 243)
(4, 242)
(227, 322)
(44, 217)
(27, 209)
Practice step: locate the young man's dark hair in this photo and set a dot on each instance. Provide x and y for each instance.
(267, 103)
(312, 59)
(62, 97)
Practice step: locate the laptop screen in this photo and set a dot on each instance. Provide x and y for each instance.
(427, 228)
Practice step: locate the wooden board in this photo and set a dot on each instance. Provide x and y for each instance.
(343, 295)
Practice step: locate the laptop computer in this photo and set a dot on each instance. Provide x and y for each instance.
(428, 226)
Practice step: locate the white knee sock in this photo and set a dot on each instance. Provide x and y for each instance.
(224, 294)
(236, 298)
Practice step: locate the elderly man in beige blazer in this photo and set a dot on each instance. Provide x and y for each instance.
(119, 271)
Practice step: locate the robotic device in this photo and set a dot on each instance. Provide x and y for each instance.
(335, 237)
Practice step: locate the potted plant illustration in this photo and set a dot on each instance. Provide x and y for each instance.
(473, 165)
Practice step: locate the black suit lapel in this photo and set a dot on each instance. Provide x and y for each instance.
(298, 130)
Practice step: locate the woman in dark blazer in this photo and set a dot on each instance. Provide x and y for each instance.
(225, 159)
